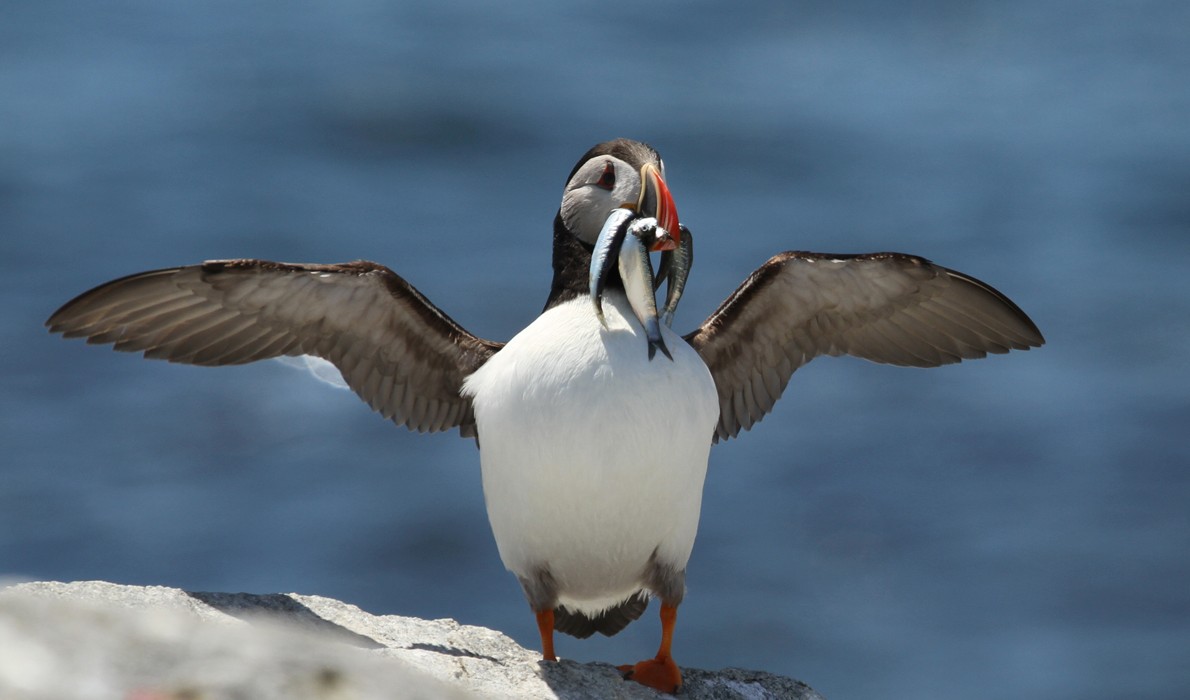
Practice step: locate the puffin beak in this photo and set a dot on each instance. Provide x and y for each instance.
(656, 201)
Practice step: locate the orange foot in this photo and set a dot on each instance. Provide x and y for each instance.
(660, 674)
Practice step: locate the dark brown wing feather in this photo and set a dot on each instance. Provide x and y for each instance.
(884, 307)
(399, 352)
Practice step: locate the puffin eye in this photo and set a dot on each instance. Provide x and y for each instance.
(607, 180)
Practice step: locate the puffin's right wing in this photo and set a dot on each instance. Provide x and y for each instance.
(884, 307)
(395, 349)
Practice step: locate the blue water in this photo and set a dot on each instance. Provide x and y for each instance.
(1013, 527)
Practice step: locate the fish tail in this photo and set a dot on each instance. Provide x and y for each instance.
(656, 343)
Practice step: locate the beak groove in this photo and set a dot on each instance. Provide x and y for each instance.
(656, 201)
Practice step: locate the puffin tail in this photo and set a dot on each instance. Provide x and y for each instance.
(607, 623)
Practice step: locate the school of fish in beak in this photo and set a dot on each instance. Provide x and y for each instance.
(628, 238)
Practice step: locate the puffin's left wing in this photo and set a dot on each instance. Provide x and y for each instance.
(884, 307)
(395, 349)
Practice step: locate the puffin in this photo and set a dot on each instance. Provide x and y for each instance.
(594, 424)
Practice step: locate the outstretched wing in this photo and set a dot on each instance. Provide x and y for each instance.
(395, 349)
(884, 307)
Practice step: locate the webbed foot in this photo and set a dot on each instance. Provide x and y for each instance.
(660, 674)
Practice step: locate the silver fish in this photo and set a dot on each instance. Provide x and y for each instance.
(675, 266)
(637, 273)
(607, 246)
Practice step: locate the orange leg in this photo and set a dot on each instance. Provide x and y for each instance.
(659, 673)
(545, 625)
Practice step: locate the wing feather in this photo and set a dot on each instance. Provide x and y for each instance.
(884, 307)
(397, 351)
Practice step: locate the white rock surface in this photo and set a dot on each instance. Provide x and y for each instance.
(94, 640)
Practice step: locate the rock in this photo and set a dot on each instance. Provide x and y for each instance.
(97, 640)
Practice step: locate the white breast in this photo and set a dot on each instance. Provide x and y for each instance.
(593, 457)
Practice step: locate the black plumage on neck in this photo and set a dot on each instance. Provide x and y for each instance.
(572, 268)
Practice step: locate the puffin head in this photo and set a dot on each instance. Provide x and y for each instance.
(618, 174)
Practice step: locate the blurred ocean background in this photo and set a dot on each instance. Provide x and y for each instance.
(1012, 527)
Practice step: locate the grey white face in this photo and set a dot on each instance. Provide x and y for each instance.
(601, 185)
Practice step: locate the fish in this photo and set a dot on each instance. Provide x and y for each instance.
(608, 244)
(675, 267)
(637, 273)
(629, 237)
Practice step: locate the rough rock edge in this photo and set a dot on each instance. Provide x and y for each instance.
(94, 639)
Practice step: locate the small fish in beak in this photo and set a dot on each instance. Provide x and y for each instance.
(629, 238)
(629, 234)
(675, 267)
(607, 246)
(637, 273)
